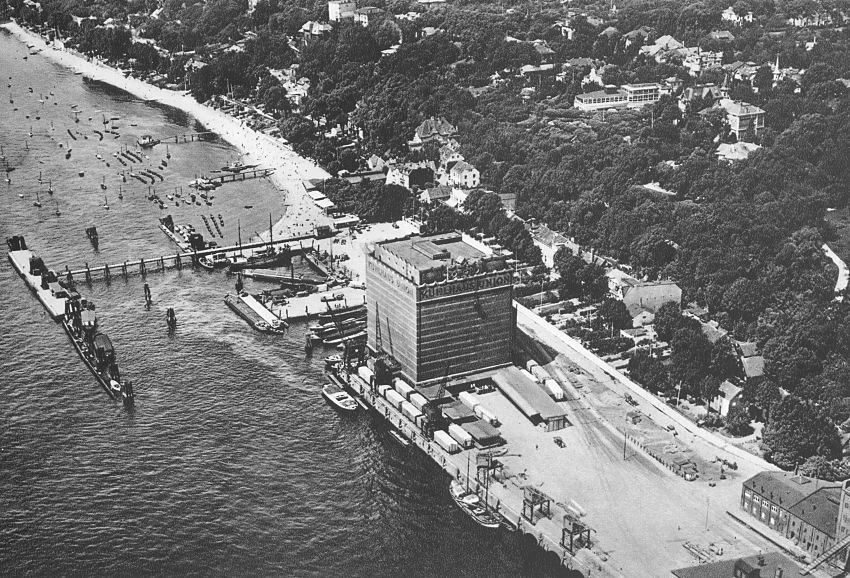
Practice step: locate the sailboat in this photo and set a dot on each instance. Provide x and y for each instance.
(120, 192)
(265, 258)
(37, 201)
(39, 177)
(103, 184)
(49, 187)
(57, 209)
(105, 203)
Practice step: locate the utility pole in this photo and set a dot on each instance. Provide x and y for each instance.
(624, 445)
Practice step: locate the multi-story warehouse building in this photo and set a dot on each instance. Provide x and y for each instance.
(439, 304)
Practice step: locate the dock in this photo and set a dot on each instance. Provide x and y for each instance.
(241, 176)
(143, 266)
(310, 306)
(260, 275)
(555, 535)
(188, 137)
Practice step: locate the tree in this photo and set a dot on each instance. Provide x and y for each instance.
(797, 431)
(614, 312)
(691, 357)
(648, 371)
(668, 319)
(738, 422)
(724, 362)
(296, 129)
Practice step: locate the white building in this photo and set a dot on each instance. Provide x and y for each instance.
(340, 9)
(626, 96)
(465, 176)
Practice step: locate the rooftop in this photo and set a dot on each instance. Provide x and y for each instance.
(426, 253)
(820, 509)
(767, 564)
(783, 488)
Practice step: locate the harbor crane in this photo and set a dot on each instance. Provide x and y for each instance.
(434, 418)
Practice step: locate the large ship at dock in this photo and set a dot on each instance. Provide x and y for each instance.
(76, 316)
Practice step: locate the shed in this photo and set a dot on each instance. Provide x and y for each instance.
(483, 433)
(530, 398)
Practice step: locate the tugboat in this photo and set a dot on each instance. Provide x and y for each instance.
(91, 233)
(338, 398)
(238, 167)
(471, 504)
(147, 141)
(214, 261)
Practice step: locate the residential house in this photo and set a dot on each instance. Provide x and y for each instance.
(637, 36)
(721, 36)
(660, 47)
(817, 19)
(548, 241)
(745, 120)
(729, 15)
(363, 15)
(648, 297)
(696, 60)
(438, 194)
(376, 163)
(431, 4)
(707, 92)
(639, 334)
(769, 565)
(736, 151)
(727, 398)
(341, 9)
(411, 174)
(312, 30)
(465, 176)
(449, 155)
(547, 55)
(432, 130)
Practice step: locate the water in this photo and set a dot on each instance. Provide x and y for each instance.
(230, 464)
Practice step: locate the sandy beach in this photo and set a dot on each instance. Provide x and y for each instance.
(290, 168)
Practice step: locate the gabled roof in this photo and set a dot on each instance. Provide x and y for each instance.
(783, 488)
(435, 126)
(820, 509)
(546, 236)
(729, 390)
(747, 348)
(462, 167)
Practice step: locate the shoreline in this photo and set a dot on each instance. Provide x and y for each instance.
(289, 167)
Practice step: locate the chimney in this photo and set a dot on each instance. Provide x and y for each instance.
(760, 559)
(779, 572)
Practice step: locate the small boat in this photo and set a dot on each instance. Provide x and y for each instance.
(37, 201)
(214, 261)
(332, 360)
(399, 438)
(50, 187)
(472, 505)
(238, 167)
(105, 203)
(147, 141)
(338, 398)
(103, 184)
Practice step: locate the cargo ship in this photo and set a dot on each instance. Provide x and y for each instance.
(340, 314)
(267, 258)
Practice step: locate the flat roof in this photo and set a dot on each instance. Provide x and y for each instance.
(527, 394)
(425, 253)
(726, 568)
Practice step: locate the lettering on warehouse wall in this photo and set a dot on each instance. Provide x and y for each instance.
(481, 283)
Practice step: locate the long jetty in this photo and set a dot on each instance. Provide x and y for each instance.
(188, 137)
(143, 266)
(241, 176)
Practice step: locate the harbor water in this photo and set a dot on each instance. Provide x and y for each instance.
(230, 463)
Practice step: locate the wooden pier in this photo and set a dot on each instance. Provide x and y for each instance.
(241, 176)
(177, 261)
(188, 137)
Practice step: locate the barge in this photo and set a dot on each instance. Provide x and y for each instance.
(249, 309)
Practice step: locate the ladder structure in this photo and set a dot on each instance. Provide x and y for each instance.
(827, 554)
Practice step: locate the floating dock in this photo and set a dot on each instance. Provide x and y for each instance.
(241, 176)
(248, 308)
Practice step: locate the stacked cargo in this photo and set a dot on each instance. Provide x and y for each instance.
(540, 374)
(531, 363)
(447, 442)
(487, 416)
(383, 389)
(365, 374)
(468, 400)
(394, 397)
(528, 374)
(409, 411)
(554, 389)
(461, 435)
(418, 400)
(403, 387)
